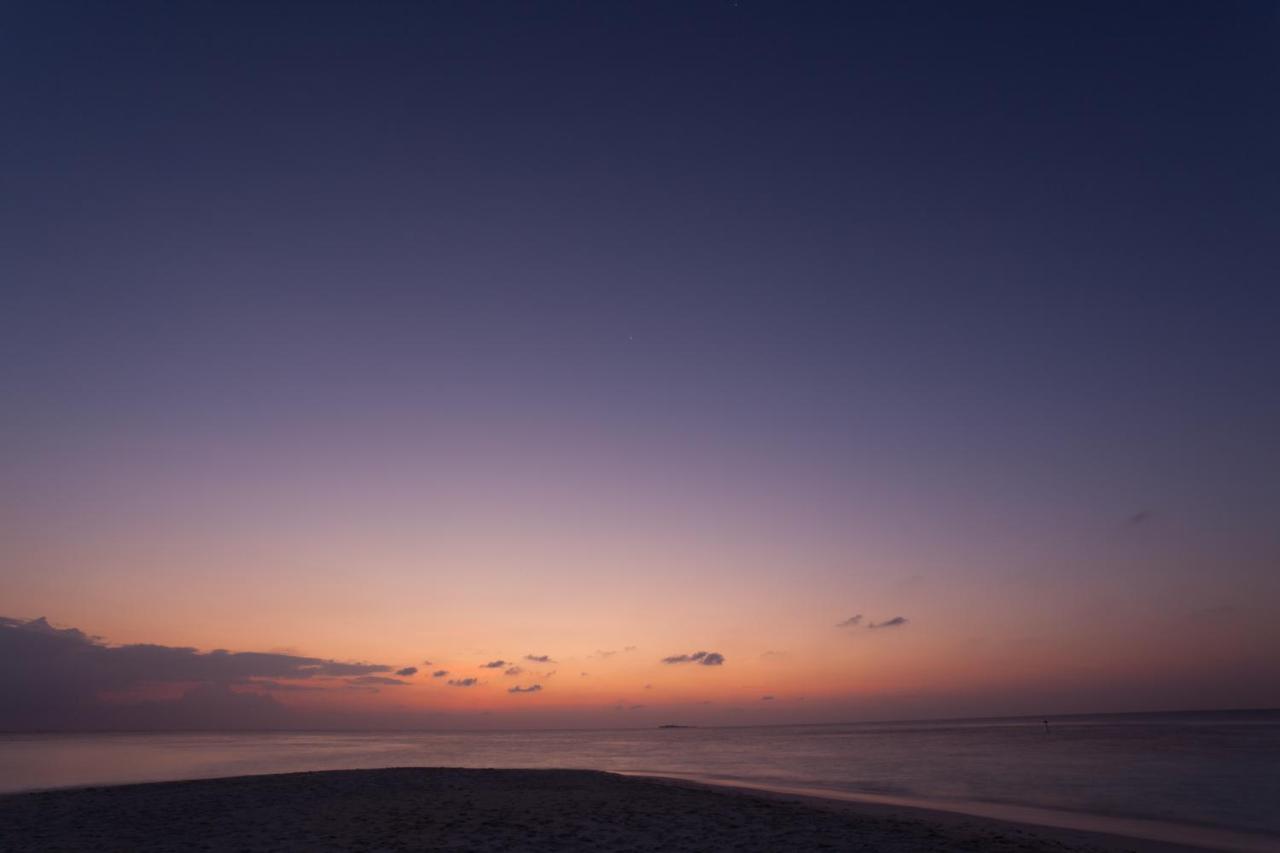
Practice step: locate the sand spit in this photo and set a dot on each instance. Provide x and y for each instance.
(421, 809)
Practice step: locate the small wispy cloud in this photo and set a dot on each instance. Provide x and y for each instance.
(367, 680)
(851, 622)
(532, 688)
(1218, 613)
(514, 670)
(463, 682)
(889, 623)
(704, 658)
(407, 671)
(440, 673)
(766, 698)
(287, 687)
(539, 658)
(493, 664)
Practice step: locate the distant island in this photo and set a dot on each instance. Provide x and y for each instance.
(674, 726)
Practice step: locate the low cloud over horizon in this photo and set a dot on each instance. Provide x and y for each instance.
(58, 677)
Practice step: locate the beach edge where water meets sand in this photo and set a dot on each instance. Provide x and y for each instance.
(1137, 834)
(414, 809)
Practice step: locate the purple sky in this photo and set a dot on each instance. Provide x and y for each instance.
(415, 331)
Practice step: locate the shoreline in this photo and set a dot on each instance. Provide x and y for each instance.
(415, 808)
(1137, 834)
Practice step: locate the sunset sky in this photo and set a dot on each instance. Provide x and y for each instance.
(909, 360)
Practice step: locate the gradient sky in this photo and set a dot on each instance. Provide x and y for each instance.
(385, 333)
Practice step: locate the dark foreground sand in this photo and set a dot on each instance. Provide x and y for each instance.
(418, 809)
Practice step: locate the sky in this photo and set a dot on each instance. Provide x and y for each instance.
(700, 362)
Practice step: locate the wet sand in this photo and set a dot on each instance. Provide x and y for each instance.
(438, 809)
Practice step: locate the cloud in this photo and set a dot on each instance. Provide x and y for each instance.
(493, 664)
(514, 670)
(440, 673)
(283, 686)
(851, 622)
(704, 658)
(369, 680)
(1138, 518)
(532, 688)
(889, 623)
(427, 663)
(53, 678)
(407, 671)
(40, 625)
(539, 658)
(766, 698)
(463, 682)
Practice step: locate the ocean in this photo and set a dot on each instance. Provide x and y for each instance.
(1211, 778)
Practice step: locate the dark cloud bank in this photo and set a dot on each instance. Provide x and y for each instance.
(61, 678)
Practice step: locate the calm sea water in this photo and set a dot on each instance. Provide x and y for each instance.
(1215, 776)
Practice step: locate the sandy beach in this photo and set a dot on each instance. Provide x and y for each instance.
(419, 809)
